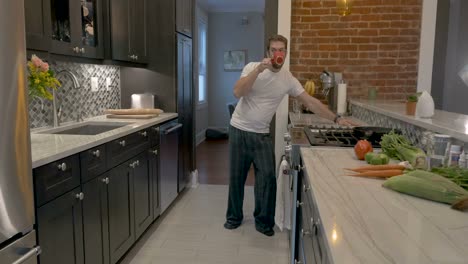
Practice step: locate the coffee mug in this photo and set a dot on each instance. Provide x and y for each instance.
(278, 58)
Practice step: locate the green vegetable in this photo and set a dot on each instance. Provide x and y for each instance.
(455, 174)
(430, 188)
(442, 181)
(398, 147)
(369, 156)
(379, 159)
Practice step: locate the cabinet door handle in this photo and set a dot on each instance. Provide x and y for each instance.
(305, 232)
(105, 180)
(137, 163)
(132, 165)
(144, 134)
(76, 49)
(96, 153)
(122, 143)
(36, 251)
(306, 188)
(136, 57)
(155, 152)
(80, 196)
(82, 50)
(62, 167)
(299, 203)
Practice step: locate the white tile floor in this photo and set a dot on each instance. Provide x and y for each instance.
(192, 232)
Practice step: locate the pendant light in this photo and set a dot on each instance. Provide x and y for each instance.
(344, 7)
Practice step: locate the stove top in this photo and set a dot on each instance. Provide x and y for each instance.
(335, 137)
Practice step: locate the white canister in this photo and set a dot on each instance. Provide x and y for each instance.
(425, 106)
(341, 102)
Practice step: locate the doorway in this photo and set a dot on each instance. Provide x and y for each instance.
(223, 28)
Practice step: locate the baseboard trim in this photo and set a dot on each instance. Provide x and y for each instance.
(201, 137)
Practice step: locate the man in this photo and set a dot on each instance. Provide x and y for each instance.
(261, 88)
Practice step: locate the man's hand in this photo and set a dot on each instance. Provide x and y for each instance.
(265, 64)
(346, 122)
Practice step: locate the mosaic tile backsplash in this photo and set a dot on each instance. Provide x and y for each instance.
(74, 101)
(414, 133)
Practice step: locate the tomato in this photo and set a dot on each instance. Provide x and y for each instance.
(361, 148)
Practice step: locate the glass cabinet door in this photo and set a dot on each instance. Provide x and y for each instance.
(88, 23)
(60, 16)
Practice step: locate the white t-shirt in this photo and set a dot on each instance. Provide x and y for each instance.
(255, 110)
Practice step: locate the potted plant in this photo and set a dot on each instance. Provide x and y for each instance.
(411, 102)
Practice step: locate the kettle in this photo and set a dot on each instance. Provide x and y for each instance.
(425, 106)
(328, 82)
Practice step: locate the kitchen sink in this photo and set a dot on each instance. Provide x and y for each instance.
(87, 128)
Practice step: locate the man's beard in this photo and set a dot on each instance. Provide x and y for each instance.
(276, 66)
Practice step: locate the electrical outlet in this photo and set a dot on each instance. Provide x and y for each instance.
(94, 84)
(108, 84)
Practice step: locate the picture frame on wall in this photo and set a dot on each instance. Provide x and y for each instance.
(235, 60)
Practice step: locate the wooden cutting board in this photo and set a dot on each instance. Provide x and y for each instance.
(133, 116)
(146, 111)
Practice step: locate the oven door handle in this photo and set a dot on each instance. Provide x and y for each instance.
(35, 251)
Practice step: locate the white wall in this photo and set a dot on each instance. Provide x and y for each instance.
(284, 28)
(201, 114)
(225, 32)
(426, 49)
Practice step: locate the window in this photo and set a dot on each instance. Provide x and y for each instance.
(202, 59)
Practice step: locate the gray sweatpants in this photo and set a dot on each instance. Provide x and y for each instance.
(246, 148)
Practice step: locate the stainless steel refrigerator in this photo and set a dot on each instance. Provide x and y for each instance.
(17, 236)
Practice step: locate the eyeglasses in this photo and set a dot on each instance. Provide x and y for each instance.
(273, 50)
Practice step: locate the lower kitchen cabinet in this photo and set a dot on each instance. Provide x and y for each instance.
(61, 229)
(142, 194)
(121, 210)
(95, 221)
(153, 160)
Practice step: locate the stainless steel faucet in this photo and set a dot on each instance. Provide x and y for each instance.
(57, 110)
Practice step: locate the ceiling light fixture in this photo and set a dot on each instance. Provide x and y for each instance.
(344, 7)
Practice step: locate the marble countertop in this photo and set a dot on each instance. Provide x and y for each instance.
(366, 223)
(46, 148)
(453, 124)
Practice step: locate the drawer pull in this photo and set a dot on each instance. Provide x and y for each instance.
(122, 143)
(305, 233)
(105, 180)
(155, 152)
(96, 153)
(62, 167)
(155, 129)
(144, 134)
(137, 163)
(80, 196)
(306, 188)
(299, 203)
(133, 165)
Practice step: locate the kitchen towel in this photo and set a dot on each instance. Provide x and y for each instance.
(341, 107)
(283, 197)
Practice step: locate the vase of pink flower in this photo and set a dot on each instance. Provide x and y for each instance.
(41, 79)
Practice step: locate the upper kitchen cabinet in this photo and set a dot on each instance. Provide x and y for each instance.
(184, 17)
(37, 26)
(76, 28)
(129, 30)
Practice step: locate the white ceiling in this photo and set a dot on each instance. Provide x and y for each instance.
(232, 5)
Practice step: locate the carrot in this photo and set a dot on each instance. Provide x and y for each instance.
(377, 167)
(378, 173)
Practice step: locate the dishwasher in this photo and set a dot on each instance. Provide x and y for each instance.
(169, 154)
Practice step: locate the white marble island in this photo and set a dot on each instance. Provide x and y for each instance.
(366, 223)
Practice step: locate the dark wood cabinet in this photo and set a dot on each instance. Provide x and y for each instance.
(126, 147)
(61, 230)
(184, 17)
(121, 210)
(56, 178)
(153, 160)
(95, 221)
(129, 30)
(185, 108)
(37, 26)
(142, 194)
(76, 28)
(93, 162)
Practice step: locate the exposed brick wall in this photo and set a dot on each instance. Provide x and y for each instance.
(376, 46)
